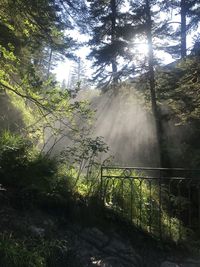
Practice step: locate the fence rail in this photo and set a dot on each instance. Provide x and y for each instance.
(162, 201)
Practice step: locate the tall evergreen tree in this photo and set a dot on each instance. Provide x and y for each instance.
(32, 40)
(147, 25)
(78, 79)
(188, 11)
(108, 48)
(151, 74)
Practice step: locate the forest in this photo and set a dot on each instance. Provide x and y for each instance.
(101, 168)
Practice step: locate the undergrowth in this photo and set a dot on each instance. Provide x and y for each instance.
(73, 182)
(36, 253)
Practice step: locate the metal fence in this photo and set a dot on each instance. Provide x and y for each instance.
(165, 202)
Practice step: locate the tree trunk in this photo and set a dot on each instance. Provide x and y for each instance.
(79, 70)
(152, 84)
(183, 29)
(113, 38)
(49, 63)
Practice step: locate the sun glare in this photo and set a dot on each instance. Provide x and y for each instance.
(140, 49)
(62, 70)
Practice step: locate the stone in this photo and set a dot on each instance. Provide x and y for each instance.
(109, 262)
(169, 264)
(37, 231)
(95, 236)
(189, 263)
(2, 188)
(118, 245)
(49, 223)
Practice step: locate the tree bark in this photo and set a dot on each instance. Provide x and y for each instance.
(183, 29)
(113, 38)
(49, 63)
(152, 84)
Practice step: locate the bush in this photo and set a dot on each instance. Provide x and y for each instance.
(14, 253)
(24, 169)
(21, 165)
(40, 253)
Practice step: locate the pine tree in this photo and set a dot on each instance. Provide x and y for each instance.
(106, 44)
(146, 25)
(34, 39)
(78, 77)
(188, 11)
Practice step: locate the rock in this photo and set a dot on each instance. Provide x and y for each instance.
(95, 236)
(169, 264)
(189, 263)
(118, 246)
(109, 262)
(37, 231)
(2, 188)
(49, 223)
(101, 250)
(123, 250)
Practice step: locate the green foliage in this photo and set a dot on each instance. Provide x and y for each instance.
(106, 44)
(178, 85)
(29, 253)
(22, 166)
(84, 160)
(145, 204)
(38, 180)
(14, 253)
(28, 46)
(178, 92)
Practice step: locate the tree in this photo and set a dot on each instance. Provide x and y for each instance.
(146, 27)
(28, 46)
(78, 79)
(108, 49)
(178, 88)
(183, 28)
(139, 23)
(32, 43)
(151, 78)
(189, 20)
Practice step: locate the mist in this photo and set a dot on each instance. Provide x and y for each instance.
(124, 119)
(126, 125)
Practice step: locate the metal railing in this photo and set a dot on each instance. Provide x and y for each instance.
(165, 202)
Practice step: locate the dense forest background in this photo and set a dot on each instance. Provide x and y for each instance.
(134, 109)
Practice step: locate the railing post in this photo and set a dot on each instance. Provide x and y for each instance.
(101, 187)
(190, 204)
(131, 214)
(160, 208)
(199, 207)
(150, 207)
(179, 209)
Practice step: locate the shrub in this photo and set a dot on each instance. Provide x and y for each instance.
(24, 169)
(14, 253)
(32, 253)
